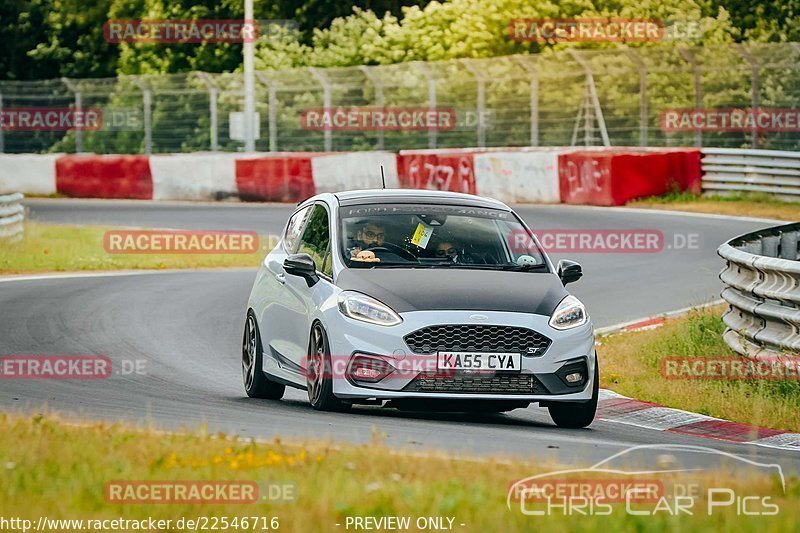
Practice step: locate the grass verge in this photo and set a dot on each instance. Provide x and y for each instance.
(631, 365)
(59, 471)
(759, 205)
(62, 248)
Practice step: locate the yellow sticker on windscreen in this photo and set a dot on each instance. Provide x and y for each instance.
(422, 235)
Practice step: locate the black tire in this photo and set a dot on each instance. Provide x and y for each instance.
(319, 373)
(256, 383)
(577, 415)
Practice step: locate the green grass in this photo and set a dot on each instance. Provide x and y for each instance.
(49, 468)
(631, 365)
(59, 248)
(760, 205)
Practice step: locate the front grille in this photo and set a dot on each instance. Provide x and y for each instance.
(476, 384)
(477, 338)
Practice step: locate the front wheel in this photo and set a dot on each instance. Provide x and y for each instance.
(319, 374)
(256, 384)
(577, 415)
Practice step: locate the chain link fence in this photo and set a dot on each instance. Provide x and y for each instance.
(614, 97)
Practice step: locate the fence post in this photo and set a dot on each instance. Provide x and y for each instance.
(643, 100)
(376, 83)
(423, 68)
(523, 61)
(595, 102)
(326, 98)
(480, 99)
(273, 110)
(2, 137)
(78, 108)
(698, 88)
(147, 106)
(755, 83)
(212, 108)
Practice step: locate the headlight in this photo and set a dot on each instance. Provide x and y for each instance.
(570, 313)
(362, 307)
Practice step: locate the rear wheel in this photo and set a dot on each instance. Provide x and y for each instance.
(577, 415)
(319, 374)
(256, 383)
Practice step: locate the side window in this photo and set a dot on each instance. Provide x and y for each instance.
(316, 237)
(327, 267)
(294, 227)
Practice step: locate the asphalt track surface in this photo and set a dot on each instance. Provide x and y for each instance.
(187, 327)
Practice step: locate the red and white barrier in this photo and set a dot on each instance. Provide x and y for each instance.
(444, 170)
(280, 177)
(518, 176)
(104, 176)
(202, 176)
(614, 177)
(543, 175)
(354, 170)
(28, 173)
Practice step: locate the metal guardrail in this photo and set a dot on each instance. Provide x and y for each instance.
(762, 286)
(12, 216)
(734, 170)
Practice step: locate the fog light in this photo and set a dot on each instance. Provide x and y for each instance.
(366, 373)
(575, 377)
(368, 369)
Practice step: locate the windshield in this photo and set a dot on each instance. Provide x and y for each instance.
(436, 236)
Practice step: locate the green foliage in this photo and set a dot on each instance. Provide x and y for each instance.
(54, 38)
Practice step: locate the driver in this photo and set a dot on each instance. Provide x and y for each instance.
(369, 235)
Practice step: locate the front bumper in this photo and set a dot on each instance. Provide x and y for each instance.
(415, 375)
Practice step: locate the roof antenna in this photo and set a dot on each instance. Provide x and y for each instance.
(383, 178)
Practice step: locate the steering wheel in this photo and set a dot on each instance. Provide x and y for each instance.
(394, 249)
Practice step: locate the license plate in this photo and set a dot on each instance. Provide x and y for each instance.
(497, 362)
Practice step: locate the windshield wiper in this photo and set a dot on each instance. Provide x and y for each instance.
(523, 268)
(468, 266)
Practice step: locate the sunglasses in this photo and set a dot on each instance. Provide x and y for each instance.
(371, 235)
(449, 251)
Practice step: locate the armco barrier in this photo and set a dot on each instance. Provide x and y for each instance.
(284, 177)
(12, 216)
(28, 173)
(614, 177)
(735, 170)
(199, 176)
(443, 170)
(104, 176)
(762, 286)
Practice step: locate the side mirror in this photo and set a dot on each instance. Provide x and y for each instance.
(569, 271)
(301, 265)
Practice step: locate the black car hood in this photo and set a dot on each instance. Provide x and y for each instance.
(420, 289)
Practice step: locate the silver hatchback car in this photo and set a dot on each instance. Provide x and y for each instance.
(424, 300)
